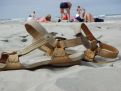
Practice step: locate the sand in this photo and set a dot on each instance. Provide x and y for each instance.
(83, 77)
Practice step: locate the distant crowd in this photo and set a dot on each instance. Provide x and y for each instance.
(65, 15)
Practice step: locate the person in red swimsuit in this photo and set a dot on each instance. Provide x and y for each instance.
(65, 6)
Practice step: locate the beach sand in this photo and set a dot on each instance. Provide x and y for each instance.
(83, 77)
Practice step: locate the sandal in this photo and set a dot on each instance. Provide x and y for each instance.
(55, 49)
(44, 41)
(95, 47)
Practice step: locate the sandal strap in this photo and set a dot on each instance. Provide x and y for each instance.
(63, 61)
(44, 40)
(4, 57)
(107, 51)
(70, 42)
(10, 61)
(46, 43)
(37, 44)
(101, 49)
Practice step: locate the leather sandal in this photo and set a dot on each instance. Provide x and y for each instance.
(96, 47)
(44, 41)
(55, 49)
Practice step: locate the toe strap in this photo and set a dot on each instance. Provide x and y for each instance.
(3, 59)
(9, 61)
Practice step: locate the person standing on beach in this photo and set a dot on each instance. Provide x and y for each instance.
(65, 6)
(33, 15)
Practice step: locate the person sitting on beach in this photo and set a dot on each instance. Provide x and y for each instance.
(65, 6)
(45, 19)
(79, 14)
(65, 16)
(79, 10)
(84, 16)
(29, 18)
(87, 16)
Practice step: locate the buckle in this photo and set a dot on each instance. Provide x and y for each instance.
(95, 44)
(98, 43)
(4, 57)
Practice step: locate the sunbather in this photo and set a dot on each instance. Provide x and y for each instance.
(85, 16)
(45, 19)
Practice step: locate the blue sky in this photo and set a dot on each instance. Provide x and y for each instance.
(22, 8)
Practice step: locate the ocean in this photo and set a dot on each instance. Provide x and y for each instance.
(107, 18)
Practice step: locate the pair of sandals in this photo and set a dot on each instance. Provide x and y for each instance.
(55, 47)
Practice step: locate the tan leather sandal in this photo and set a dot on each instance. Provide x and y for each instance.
(44, 41)
(96, 47)
(55, 49)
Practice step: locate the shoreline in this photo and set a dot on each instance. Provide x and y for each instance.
(107, 18)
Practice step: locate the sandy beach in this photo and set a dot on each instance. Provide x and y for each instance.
(83, 77)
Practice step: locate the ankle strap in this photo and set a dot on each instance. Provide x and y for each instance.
(101, 49)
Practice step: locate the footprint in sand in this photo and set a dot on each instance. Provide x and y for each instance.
(24, 36)
(62, 34)
(99, 27)
(6, 40)
(24, 40)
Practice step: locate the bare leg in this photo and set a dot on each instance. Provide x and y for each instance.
(68, 13)
(85, 18)
(90, 18)
(62, 12)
